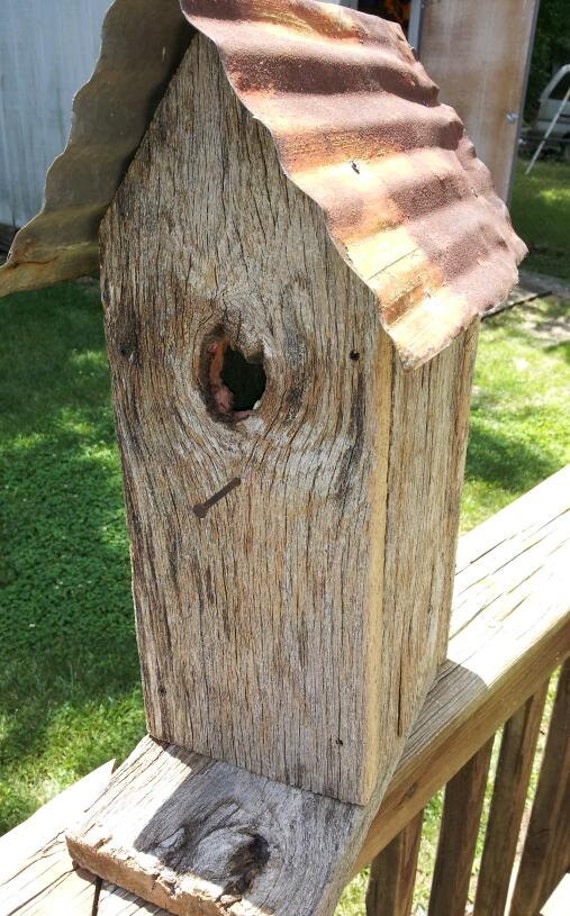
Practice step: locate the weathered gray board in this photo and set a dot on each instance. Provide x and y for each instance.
(293, 625)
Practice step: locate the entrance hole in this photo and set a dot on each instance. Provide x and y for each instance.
(234, 385)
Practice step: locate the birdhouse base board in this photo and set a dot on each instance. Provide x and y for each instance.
(196, 836)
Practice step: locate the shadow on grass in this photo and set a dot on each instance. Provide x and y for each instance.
(561, 349)
(69, 676)
(506, 461)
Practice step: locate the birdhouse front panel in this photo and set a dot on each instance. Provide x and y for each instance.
(292, 492)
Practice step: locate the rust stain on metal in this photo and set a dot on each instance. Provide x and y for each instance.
(357, 126)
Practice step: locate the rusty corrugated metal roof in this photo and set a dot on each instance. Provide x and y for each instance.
(357, 127)
(143, 41)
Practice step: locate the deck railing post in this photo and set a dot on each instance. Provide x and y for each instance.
(518, 747)
(546, 853)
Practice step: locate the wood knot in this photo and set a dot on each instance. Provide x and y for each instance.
(244, 866)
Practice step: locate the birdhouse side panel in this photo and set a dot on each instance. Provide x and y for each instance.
(257, 527)
(428, 438)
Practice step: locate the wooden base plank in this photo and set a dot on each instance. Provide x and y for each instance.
(197, 836)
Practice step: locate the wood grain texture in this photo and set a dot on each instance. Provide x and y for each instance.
(197, 836)
(546, 853)
(37, 877)
(393, 873)
(478, 54)
(464, 796)
(294, 624)
(314, 841)
(518, 745)
(115, 901)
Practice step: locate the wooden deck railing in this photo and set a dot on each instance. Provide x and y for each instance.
(510, 632)
(510, 635)
(502, 885)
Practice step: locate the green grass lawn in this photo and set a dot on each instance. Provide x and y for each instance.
(69, 681)
(540, 209)
(69, 678)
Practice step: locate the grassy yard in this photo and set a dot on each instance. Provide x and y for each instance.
(69, 681)
(540, 210)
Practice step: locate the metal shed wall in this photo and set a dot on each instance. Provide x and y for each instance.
(48, 49)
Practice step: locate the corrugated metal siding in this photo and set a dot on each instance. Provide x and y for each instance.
(143, 42)
(48, 49)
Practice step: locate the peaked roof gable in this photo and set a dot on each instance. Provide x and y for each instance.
(357, 126)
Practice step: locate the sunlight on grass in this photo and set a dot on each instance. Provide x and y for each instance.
(520, 422)
(69, 675)
(555, 195)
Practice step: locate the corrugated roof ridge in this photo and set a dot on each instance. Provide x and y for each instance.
(425, 298)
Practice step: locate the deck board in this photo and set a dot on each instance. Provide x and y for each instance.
(36, 873)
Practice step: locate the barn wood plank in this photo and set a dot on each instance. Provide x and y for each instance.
(459, 41)
(299, 561)
(314, 840)
(393, 873)
(36, 872)
(464, 797)
(195, 836)
(546, 853)
(518, 745)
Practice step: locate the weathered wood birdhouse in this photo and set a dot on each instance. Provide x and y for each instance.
(292, 272)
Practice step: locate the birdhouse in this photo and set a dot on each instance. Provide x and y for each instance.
(292, 271)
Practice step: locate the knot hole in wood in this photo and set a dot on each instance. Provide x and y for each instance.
(245, 865)
(232, 383)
